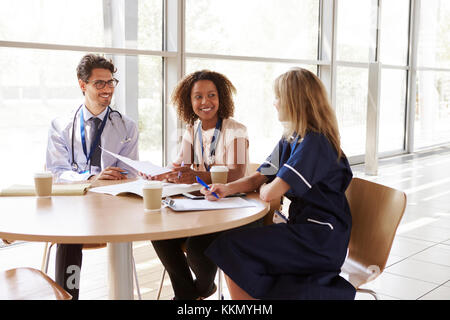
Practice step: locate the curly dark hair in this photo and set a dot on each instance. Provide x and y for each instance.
(181, 96)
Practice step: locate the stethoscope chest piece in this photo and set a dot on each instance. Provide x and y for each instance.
(74, 167)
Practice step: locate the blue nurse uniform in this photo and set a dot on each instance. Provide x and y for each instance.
(300, 259)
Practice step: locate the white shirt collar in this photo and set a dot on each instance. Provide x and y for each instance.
(88, 114)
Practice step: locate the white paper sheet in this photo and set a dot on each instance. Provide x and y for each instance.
(169, 189)
(143, 166)
(195, 205)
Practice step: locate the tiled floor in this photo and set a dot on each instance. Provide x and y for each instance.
(418, 265)
(419, 262)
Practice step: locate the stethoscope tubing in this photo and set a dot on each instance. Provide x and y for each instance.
(74, 164)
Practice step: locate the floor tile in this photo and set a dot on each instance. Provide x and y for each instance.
(400, 287)
(406, 247)
(441, 293)
(427, 233)
(439, 254)
(421, 270)
(393, 259)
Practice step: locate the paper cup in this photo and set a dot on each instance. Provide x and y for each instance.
(152, 192)
(43, 182)
(219, 174)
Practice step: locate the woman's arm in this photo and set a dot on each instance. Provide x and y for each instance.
(274, 190)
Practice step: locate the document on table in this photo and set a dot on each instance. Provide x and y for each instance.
(169, 189)
(143, 166)
(195, 205)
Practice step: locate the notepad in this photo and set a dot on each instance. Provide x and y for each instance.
(77, 189)
(196, 205)
(169, 189)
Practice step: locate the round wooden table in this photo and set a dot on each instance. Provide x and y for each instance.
(117, 220)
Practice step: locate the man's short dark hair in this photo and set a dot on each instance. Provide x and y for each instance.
(93, 61)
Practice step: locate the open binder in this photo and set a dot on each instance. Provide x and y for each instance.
(169, 189)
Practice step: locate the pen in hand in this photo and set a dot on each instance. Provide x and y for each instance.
(179, 172)
(206, 186)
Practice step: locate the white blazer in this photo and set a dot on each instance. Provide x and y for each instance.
(120, 137)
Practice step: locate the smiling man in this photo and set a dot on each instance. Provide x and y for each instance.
(74, 153)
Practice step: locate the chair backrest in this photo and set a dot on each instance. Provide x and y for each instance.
(376, 213)
(251, 168)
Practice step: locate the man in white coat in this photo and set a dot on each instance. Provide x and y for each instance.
(74, 153)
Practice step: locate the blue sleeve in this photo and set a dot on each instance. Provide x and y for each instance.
(271, 165)
(309, 164)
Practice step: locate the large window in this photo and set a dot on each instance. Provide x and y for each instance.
(92, 23)
(252, 29)
(433, 79)
(37, 85)
(365, 35)
(154, 43)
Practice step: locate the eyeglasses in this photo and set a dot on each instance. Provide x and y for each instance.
(100, 84)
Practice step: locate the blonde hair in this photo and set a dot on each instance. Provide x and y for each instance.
(304, 103)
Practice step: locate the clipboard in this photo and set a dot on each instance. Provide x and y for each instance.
(202, 204)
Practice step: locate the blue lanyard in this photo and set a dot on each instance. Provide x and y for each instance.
(214, 141)
(95, 141)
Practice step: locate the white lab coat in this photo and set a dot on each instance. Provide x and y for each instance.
(59, 148)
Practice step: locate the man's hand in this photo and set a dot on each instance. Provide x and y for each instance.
(111, 173)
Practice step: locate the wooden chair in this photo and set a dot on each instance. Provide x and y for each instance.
(86, 246)
(29, 284)
(376, 213)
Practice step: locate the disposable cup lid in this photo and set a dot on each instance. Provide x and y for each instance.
(43, 175)
(152, 185)
(219, 169)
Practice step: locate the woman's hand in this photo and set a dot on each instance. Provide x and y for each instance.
(222, 190)
(181, 174)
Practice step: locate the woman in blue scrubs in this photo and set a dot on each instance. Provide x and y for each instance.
(300, 259)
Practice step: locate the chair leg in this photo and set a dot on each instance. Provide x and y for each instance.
(161, 284)
(371, 292)
(44, 257)
(47, 257)
(136, 279)
(220, 285)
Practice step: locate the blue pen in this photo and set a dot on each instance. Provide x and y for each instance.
(206, 186)
(179, 172)
(124, 172)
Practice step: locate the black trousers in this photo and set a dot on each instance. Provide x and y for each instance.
(178, 265)
(68, 267)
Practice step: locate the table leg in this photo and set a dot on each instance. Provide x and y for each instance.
(120, 271)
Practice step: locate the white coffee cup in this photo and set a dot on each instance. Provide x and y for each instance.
(219, 174)
(152, 192)
(43, 182)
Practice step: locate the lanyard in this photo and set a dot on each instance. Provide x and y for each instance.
(214, 142)
(96, 141)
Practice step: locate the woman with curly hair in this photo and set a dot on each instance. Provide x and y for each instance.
(204, 101)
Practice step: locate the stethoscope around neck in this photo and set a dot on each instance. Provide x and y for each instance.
(109, 113)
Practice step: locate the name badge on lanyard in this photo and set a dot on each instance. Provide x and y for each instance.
(211, 158)
(95, 142)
